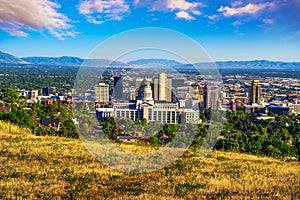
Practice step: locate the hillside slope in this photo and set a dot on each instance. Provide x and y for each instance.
(52, 167)
(8, 58)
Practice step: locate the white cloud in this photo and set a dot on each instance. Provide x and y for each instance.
(105, 10)
(237, 23)
(236, 3)
(37, 15)
(184, 15)
(196, 12)
(136, 2)
(15, 32)
(268, 21)
(182, 8)
(182, 5)
(248, 9)
(239, 33)
(212, 17)
(298, 32)
(92, 19)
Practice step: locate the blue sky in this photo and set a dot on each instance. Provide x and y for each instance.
(227, 30)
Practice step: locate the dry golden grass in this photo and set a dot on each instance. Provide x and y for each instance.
(59, 168)
(9, 128)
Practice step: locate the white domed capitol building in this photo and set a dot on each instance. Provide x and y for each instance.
(145, 107)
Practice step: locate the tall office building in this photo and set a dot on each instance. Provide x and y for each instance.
(102, 93)
(47, 91)
(198, 91)
(211, 96)
(162, 88)
(184, 92)
(155, 89)
(177, 82)
(255, 92)
(169, 96)
(162, 84)
(118, 87)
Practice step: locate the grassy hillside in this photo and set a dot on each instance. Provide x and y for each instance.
(52, 167)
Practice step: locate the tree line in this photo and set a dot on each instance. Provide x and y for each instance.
(241, 132)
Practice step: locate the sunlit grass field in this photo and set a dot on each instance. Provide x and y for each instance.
(58, 168)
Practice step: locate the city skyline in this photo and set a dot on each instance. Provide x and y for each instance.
(227, 30)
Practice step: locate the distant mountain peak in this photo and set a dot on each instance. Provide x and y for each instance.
(11, 59)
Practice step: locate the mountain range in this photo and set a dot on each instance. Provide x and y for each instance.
(6, 58)
(69, 61)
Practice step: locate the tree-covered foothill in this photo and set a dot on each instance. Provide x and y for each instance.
(30, 116)
(245, 133)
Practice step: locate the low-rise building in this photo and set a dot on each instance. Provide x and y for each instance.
(280, 109)
(5, 109)
(296, 108)
(190, 116)
(254, 108)
(53, 124)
